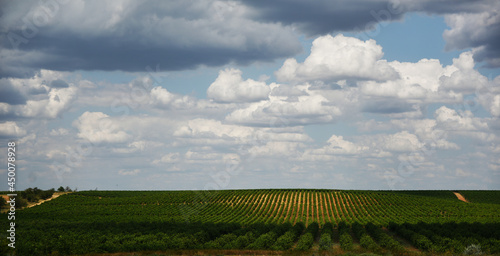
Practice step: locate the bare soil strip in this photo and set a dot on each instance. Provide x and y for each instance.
(332, 199)
(341, 206)
(292, 211)
(256, 202)
(303, 206)
(248, 203)
(300, 211)
(270, 202)
(318, 202)
(348, 207)
(298, 208)
(284, 203)
(277, 205)
(353, 208)
(307, 212)
(291, 199)
(460, 197)
(326, 207)
(327, 210)
(364, 202)
(330, 210)
(263, 205)
(362, 205)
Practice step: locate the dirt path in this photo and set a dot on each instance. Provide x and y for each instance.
(6, 197)
(54, 196)
(460, 197)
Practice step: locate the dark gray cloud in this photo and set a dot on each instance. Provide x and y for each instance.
(478, 30)
(446, 6)
(180, 35)
(325, 16)
(131, 36)
(9, 94)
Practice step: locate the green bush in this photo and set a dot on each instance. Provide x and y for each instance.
(367, 242)
(264, 241)
(285, 241)
(305, 242)
(325, 241)
(346, 241)
(421, 242)
(220, 242)
(243, 241)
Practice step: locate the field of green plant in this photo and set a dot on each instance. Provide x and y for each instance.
(382, 222)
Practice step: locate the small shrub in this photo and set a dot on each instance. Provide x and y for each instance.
(305, 242)
(367, 242)
(285, 241)
(325, 242)
(346, 241)
(264, 241)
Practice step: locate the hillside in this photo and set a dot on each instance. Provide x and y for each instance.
(273, 206)
(106, 219)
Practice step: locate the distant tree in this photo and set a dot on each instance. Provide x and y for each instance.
(21, 203)
(60, 189)
(68, 189)
(47, 194)
(35, 194)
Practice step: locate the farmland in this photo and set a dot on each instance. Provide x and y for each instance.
(401, 222)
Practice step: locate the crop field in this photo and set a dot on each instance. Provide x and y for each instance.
(277, 221)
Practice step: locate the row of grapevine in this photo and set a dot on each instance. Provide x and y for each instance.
(278, 206)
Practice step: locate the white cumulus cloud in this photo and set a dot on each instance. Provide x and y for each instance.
(337, 58)
(98, 127)
(11, 129)
(230, 87)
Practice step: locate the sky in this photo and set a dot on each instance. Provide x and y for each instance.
(214, 94)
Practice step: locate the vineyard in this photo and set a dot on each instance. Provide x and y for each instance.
(402, 222)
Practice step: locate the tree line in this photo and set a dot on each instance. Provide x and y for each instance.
(33, 195)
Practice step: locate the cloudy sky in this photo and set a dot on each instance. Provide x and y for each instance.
(214, 94)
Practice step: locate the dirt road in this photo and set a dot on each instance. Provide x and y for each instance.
(460, 197)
